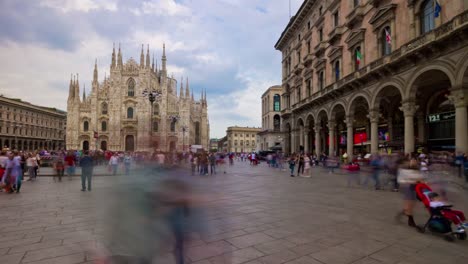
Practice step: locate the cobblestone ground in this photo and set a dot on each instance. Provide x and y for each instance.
(260, 215)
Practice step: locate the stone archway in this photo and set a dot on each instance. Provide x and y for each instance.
(358, 126)
(337, 130)
(310, 142)
(387, 120)
(300, 138)
(321, 133)
(431, 105)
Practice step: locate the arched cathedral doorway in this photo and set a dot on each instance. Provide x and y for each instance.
(129, 143)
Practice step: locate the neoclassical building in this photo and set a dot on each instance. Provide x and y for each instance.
(271, 135)
(117, 114)
(242, 139)
(370, 75)
(24, 126)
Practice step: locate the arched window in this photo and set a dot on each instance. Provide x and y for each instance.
(156, 109)
(336, 69)
(357, 57)
(427, 18)
(104, 108)
(386, 41)
(321, 80)
(131, 87)
(155, 126)
(103, 126)
(173, 126)
(130, 113)
(277, 123)
(276, 103)
(85, 126)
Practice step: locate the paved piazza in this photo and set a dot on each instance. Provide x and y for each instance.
(256, 215)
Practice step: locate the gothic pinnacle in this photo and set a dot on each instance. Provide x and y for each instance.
(148, 61)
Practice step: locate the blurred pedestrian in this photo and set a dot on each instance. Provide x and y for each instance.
(212, 160)
(301, 164)
(127, 163)
(292, 164)
(70, 163)
(114, 163)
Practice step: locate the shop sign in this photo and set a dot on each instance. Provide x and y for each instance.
(434, 118)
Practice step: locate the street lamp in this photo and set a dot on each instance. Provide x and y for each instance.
(152, 97)
(184, 129)
(15, 127)
(173, 118)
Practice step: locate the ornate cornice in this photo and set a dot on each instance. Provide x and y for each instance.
(382, 16)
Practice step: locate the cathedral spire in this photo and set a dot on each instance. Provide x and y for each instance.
(113, 57)
(181, 87)
(148, 61)
(142, 58)
(120, 58)
(206, 101)
(95, 75)
(193, 99)
(164, 58)
(84, 93)
(70, 88)
(77, 88)
(152, 66)
(187, 90)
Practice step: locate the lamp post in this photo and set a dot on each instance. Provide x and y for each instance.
(152, 96)
(173, 118)
(15, 127)
(184, 129)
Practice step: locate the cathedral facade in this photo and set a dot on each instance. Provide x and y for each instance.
(117, 114)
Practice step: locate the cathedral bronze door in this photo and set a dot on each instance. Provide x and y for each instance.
(104, 145)
(129, 143)
(85, 145)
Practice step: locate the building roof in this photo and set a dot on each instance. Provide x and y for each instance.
(19, 102)
(274, 87)
(294, 22)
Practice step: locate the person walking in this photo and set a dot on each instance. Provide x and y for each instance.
(18, 171)
(127, 163)
(306, 173)
(292, 164)
(70, 162)
(114, 163)
(31, 164)
(212, 160)
(86, 164)
(300, 168)
(59, 167)
(408, 176)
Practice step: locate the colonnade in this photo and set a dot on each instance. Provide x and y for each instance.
(412, 118)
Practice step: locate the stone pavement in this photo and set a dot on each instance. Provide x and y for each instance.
(259, 215)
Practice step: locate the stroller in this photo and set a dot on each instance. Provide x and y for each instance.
(436, 223)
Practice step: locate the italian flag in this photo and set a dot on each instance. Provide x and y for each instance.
(358, 57)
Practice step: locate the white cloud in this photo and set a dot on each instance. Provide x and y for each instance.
(165, 8)
(66, 6)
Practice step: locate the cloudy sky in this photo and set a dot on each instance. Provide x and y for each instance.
(224, 46)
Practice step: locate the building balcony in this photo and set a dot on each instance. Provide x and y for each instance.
(356, 16)
(286, 112)
(307, 60)
(415, 51)
(298, 69)
(336, 34)
(320, 48)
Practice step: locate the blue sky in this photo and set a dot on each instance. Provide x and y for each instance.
(223, 46)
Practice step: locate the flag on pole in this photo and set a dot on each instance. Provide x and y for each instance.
(358, 57)
(388, 37)
(437, 8)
